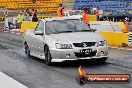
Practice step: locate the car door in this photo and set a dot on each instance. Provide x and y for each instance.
(39, 40)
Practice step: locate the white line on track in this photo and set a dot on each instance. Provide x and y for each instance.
(114, 47)
(129, 49)
(8, 82)
(123, 48)
(12, 32)
(15, 30)
(18, 33)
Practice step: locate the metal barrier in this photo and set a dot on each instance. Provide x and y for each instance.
(130, 39)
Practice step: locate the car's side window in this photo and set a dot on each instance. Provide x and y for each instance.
(40, 26)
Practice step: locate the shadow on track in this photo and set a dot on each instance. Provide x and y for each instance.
(67, 64)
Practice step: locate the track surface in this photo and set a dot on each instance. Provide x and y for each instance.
(34, 73)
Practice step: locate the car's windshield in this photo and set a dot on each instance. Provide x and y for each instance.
(64, 26)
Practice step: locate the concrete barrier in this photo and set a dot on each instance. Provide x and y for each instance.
(115, 38)
(27, 25)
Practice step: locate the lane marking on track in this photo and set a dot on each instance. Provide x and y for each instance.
(121, 48)
(113, 47)
(17, 30)
(12, 32)
(8, 82)
(18, 33)
(130, 49)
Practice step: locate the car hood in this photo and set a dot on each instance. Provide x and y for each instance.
(75, 37)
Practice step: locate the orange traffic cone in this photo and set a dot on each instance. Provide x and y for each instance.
(126, 26)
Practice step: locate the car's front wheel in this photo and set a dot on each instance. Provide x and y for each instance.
(48, 56)
(27, 51)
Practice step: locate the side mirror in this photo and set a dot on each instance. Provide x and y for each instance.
(38, 33)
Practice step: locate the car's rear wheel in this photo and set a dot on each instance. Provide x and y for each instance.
(101, 60)
(27, 51)
(48, 56)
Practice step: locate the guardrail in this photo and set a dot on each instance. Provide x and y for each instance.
(130, 39)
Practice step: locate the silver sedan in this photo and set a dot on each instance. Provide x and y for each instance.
(64, 39)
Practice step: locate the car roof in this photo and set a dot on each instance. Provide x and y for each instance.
(60, 18)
